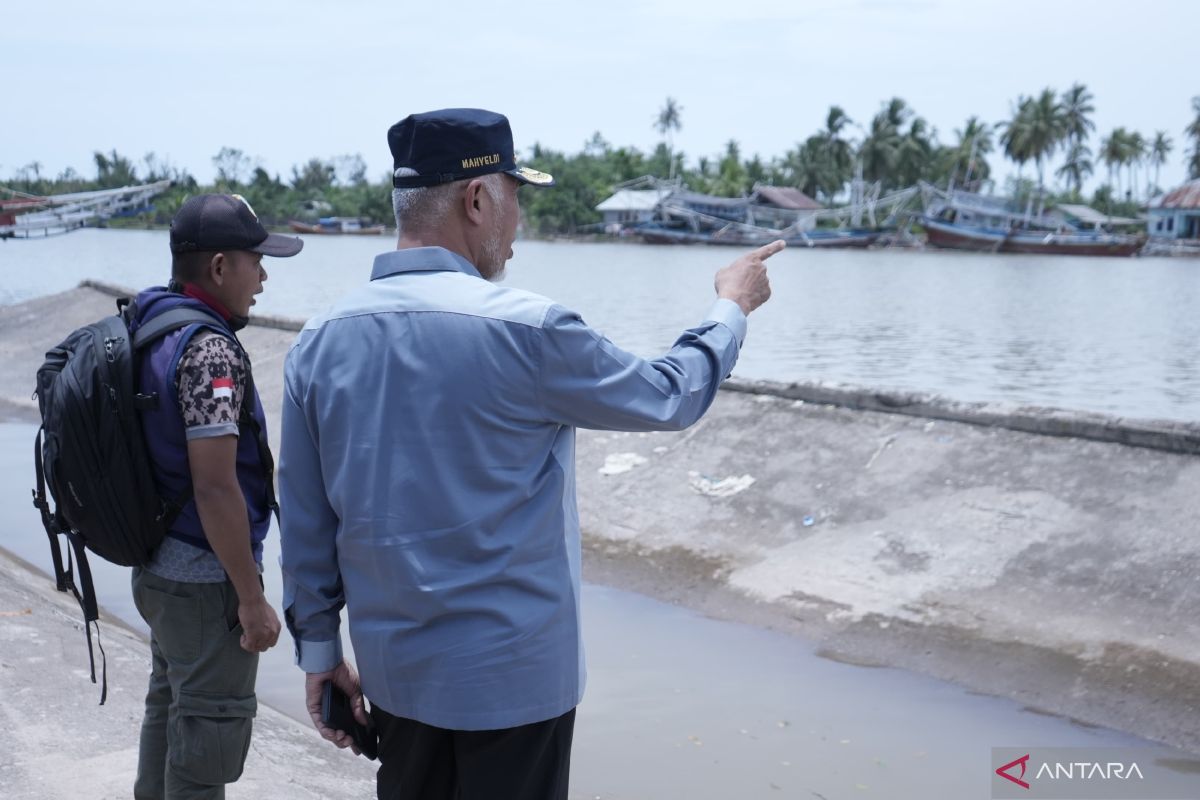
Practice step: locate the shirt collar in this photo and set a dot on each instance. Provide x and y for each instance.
(421, 259)
(194, 291)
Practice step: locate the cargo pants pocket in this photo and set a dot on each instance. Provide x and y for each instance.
(212, 737)
(174, 620)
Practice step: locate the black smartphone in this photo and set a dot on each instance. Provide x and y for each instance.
(336, 713)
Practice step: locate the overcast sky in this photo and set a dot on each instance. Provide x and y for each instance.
(286, 81)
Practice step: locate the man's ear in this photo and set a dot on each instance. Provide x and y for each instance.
(472, 205)
(217, 268)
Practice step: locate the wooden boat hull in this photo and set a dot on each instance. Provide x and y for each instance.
(665, 236)
(1073, 245)
(991, 240)
(957, 237)
(815, 239)
(834, 239)
(304, 227)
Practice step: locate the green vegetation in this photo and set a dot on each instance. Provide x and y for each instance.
(1193, 132)
(897, 147)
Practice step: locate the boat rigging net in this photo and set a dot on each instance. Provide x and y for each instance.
(26, 216)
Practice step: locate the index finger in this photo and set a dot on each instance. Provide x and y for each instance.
(768, 250)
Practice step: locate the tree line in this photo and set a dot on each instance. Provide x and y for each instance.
(896, 148)
(335, 186)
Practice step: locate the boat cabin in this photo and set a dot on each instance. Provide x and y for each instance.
(630, 206)
(1087, 218)
(782, 206)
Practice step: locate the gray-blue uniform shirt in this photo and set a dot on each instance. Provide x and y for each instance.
(427, 482)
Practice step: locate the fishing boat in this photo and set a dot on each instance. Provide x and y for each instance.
(960, 236)
(337, 226)
(836, 238)
(28, 216)
(666, 212)
(1072, 244)
(967, 221)
(655, 233)
(953, 236)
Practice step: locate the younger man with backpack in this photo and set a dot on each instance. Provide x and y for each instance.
(201, 594)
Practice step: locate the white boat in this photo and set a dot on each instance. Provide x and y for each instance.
(26, 216)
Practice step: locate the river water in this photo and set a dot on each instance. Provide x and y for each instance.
(1116, 335)
(680, 706)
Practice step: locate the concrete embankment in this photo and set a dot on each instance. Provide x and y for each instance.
(60, 745)
(1039, 554)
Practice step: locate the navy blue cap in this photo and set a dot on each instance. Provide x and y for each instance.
(214, 222)
(455, 144)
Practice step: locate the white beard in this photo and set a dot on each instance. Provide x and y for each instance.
(491, 254)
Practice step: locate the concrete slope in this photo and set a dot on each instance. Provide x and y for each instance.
(1058, 570)
(61, 745)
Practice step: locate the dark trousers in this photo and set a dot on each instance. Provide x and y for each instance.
(421, 762)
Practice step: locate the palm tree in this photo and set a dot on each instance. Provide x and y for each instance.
(880, 149)
(1112, 153)
(974, 142)
(667, 122)
(1078, 165)
(31, 173)
(803, 168)
(113, 170)
(1077, 109)
(1047, 129)
(1160, 148)
(731, 180)
(1015, 134)
(1136, 150)
(1193, 132)
(915, 153)
(836, 151)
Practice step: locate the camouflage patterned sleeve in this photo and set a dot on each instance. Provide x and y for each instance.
(209, 383)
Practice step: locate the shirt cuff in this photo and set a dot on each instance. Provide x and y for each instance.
(211, 431)
(729, 314)
(319, 656)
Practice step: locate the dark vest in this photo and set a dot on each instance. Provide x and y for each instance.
(164, 430)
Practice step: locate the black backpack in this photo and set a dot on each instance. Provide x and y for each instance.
(91, 454)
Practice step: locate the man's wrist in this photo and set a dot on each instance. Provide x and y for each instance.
(256, 598)
(736, 300)
(248, 586)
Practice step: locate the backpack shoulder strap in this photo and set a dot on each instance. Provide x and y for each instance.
(168, 321)
(246, 419)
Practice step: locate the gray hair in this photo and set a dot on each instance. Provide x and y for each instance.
(422, 208)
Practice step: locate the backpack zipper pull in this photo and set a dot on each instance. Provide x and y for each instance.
(109, 352)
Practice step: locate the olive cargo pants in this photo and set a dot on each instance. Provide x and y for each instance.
(200, 703)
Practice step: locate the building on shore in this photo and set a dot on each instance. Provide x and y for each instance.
(1176, 215)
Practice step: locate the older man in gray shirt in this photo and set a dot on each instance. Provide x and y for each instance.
(427, 474)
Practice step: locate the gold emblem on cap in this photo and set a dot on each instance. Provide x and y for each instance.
(246, 203)
(533, 176)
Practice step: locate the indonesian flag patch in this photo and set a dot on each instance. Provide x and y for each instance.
(222, 388)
